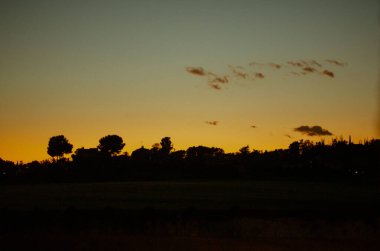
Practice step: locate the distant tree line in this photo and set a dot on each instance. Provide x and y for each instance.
(304, 159)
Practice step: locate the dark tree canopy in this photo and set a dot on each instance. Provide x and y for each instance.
(341, 161)
(58, 146)
(111, 144)
(166, 145)
(141, 154)
(244, 150)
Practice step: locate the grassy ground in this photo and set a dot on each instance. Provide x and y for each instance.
(119, 241)
(204, 215)
(266, 195)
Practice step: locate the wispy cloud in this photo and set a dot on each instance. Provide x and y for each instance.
(288, 136)
(315, 63)
(309, 69)
(328, 73)
(215, 86)
(214, 81)
(274, 65)
(213, 78)
(196, 71)
(313, 131)
(259, 75)
(257, 71)
(336, 62)
(297, 64)
(240, 73)
(213, 123)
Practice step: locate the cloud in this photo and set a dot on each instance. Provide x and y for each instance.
(196, 71)
(259, 75)
(274, 65)
(309, 69)
(297, 64)
(213, 78)
(336, 62)
(253, 126)
(313, 131)
(240, 74)
(215, 86)
(213, 123)
(295, 73)
(214, 81)
(315, 63)
(287, 135)
(304, 64)
(328, 73)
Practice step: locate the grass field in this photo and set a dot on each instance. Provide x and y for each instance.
(260, 195)
(203, 215)
(178, 195)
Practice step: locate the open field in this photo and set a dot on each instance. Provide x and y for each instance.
(215, 215)
(257, 195)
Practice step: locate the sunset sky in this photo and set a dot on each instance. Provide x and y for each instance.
(212, 72)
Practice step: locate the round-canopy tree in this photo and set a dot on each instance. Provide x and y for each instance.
(111, 144)
(58, 146)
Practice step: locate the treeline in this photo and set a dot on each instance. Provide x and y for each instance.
(304, 159)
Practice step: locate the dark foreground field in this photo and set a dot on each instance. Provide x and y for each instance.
(215, 215)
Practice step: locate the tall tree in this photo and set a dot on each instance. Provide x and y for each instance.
(111, 144)
(58, 146)
(166, 145)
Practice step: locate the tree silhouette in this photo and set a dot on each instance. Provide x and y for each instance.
(58, 146)
(244, 151)
(141, 155)
(111, 144)
(166, 145)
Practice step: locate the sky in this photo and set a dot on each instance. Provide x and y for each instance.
(262, 73)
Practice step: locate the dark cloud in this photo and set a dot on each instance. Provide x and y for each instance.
(196, 71)
(304, 64)
(253, 126)
(259, 75)
(336, 62)
(240, 74)
(215, 86)
(214, 81)
(297, 63)
(309, 69)
(213, 123)
(272, 65)
(315, 63)
(328, 73)
(313, 131)
(213, 78)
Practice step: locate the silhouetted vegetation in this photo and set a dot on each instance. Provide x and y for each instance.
(304, 159)
(111, 144)
(58, 146)
(292, 201)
